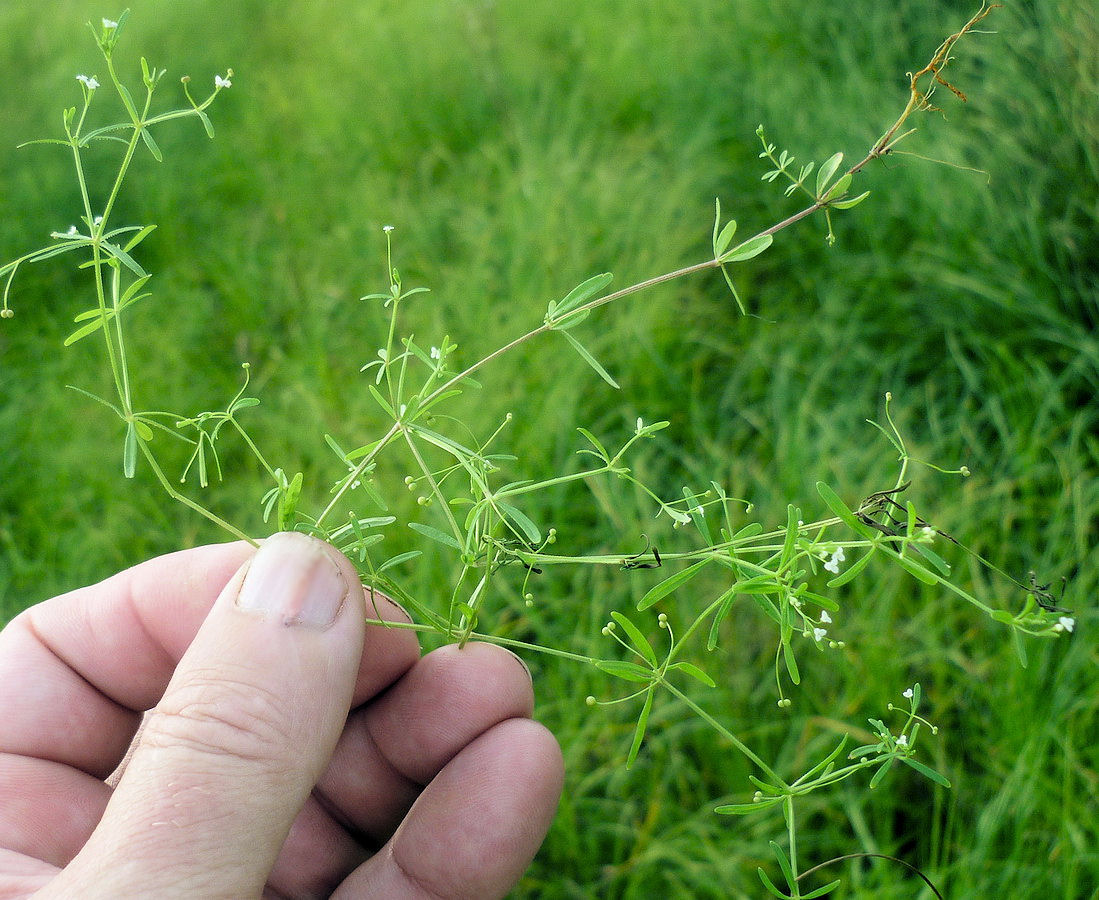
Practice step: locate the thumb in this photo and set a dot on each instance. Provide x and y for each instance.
(244, 730)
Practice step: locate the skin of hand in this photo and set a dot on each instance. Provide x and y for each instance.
(290, 749)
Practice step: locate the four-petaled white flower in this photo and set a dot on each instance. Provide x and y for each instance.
(436, 353)
(833, 564)
(902, 741)
(88, 81)
(825, 619)
(819, 633)
(387, 228)
(907, 694)
(220, 82)
(1067, 623)
(109, 24)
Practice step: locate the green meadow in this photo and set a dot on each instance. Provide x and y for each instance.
(518, 148)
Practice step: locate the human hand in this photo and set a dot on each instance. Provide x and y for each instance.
(250, 777)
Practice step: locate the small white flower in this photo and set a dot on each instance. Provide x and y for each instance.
(436, 353)
(109, 24)
(1067, 623)
(699, 511)
(928, 531)
(819, 633)
(825, 618)
(640, 424)
(907, 694)
(902, 741)
(88, 81)
(833, 564)
(220, 82)
(72, 231)
(387, 228)
(98, 220)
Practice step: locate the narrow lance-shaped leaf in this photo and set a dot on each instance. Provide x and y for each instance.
(749, 249)
(529, 529)
(672, 583)
(636, 637)
(642, 724)
(826, 171)
(577, 297)
(129, 451)
(435, 534)
(591, 360)
(791, 662)
(925, 770)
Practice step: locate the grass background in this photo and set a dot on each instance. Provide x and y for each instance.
(520, 148)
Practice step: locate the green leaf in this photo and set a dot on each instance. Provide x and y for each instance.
(579, 295)
(745, 809)
(627, 670)
(672, 583)
(123, 257)
(695, 672)
(882, 771)
(398, 559)
(821, 891)
(1019, 645)
(791, 536)
(724, 238)
(732, 288)
(288, 502)
(590, 360)
(595, 443)
(206, 123)
(636, 637)
(381, 401)
(750, 248)
(129, 451)
(853, 570)
(913, 568)
(529, 529)
(435, 534)
(791, 662)
(138, 238)
(925, 770)
(932, 557)
(97, 399)
(839, 188)
(642, 724)
(451, 446)
(725, 603)
(699, 518)
(767, 883)
(849, 204)
(127, 98)
(84, 330)
(783, 863)
(826, 171)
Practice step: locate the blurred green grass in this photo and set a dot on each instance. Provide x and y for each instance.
(518, 149)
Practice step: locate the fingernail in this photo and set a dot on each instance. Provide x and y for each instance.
(292, 578)
(522, 662)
